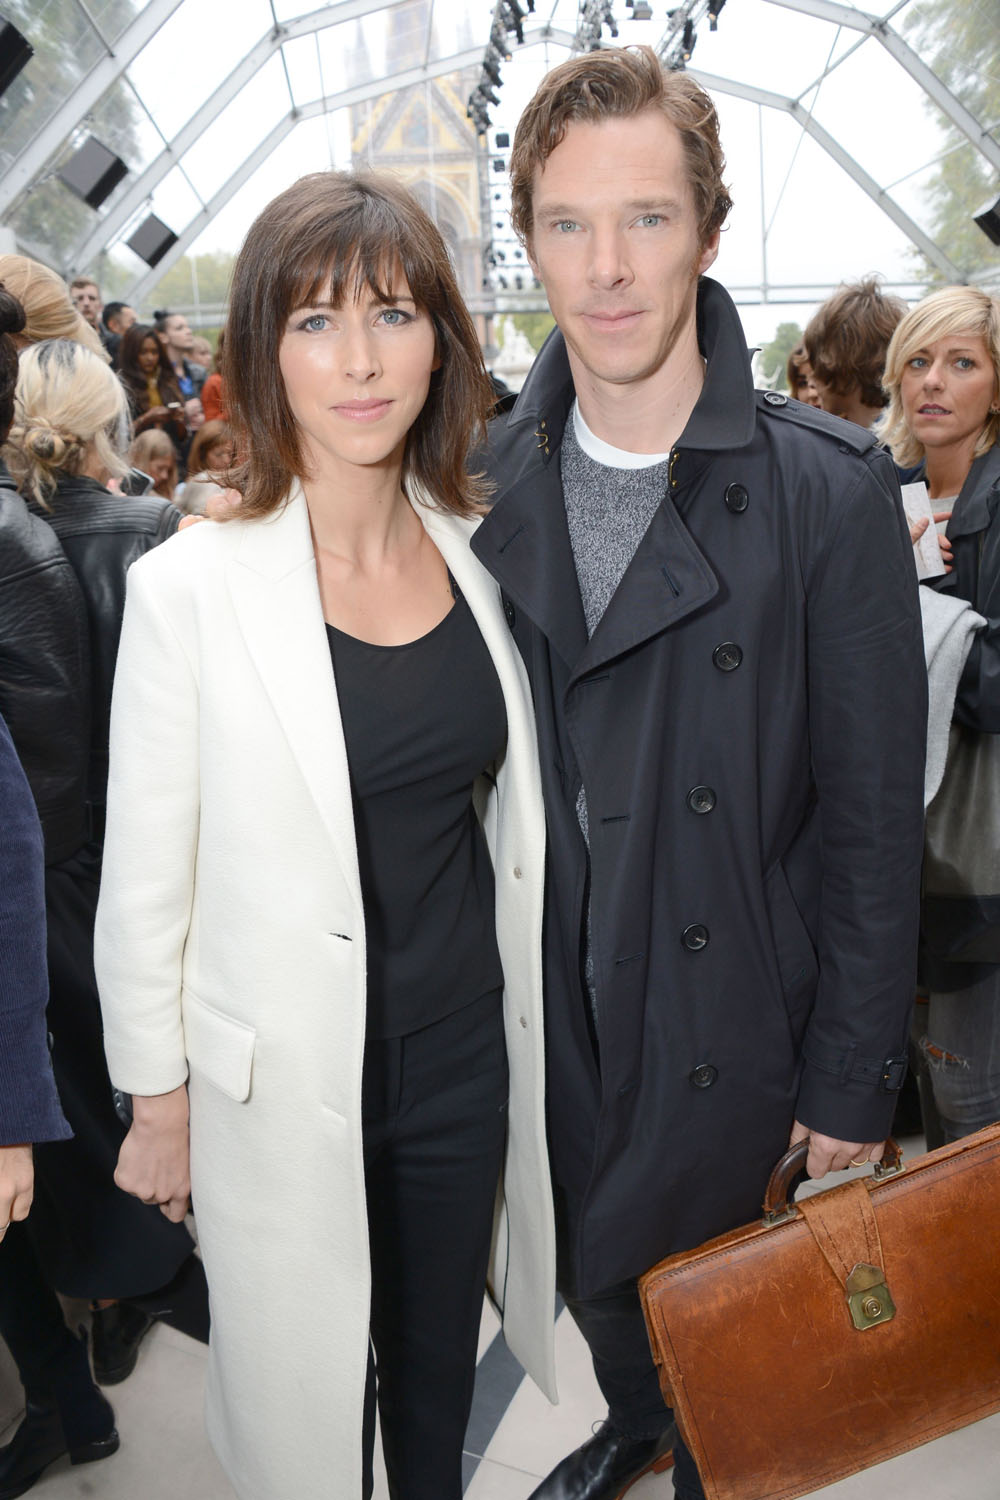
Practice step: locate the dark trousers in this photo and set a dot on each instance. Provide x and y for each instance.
(612, 1323)
(31, 1318)
(434, 1107)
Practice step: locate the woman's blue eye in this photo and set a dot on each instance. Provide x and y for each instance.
(393, 316)
(315, 324)
(964, 363)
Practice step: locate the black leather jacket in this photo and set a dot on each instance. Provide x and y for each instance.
(44, 670)
(102, 535)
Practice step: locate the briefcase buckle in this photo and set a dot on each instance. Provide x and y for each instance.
(868, 1297)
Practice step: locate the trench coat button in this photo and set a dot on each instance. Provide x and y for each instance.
(703, 1076)
(775, 398)
(695, 937)
(701, 799)
(517, 872)
(728, 656)
(737, 498)
(508, 610)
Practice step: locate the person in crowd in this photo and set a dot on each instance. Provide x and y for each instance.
(154, 397)
(209, 462)
(175, 334)
(323, 964)
(86, 297)
(943, 381)
(153, 453)
(798, 374)
(845, 342)
(201, 351)
(65, 445)
(213, 398)
(49, 312)
(43, 678)
(717, 678)
(117, 319)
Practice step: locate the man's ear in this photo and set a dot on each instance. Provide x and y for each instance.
(709, 251)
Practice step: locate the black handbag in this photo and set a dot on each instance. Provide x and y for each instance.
(961, 875)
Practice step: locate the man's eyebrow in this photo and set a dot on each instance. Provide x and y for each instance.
(633, 205)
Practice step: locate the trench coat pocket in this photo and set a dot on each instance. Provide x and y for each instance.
(218, 1047)
(798, 968)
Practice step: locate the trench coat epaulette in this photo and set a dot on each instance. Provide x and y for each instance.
(848, 435)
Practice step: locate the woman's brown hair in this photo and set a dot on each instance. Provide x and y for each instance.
(617, 83)
(326, 237)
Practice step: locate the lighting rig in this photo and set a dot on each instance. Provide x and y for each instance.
(594, 16)
(508, 21)
(678, 41)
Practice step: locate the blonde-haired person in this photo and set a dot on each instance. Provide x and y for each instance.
(943, 380)
(67, 442)
(154, 453)
(48, 307)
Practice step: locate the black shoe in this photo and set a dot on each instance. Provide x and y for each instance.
(40, 1440)
(606, 1466)
(115, 1335)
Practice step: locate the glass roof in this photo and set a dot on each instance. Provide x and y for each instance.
(833, 143)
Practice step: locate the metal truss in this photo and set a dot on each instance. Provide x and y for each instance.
(26, 167)
(879, 28)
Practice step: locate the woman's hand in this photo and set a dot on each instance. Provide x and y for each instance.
(154, 1161)
(947, 553)
(16, 1184)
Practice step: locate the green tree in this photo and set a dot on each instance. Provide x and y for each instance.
(773, 357)
(536, 326)
(48, 218)
(176, 286)
(960, 40)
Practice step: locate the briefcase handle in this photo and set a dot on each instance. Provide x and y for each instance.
(776, 1206)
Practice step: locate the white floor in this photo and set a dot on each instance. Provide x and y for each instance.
(164, 1454)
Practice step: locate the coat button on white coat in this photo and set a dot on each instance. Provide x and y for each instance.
(524, 1022)
(517, 872)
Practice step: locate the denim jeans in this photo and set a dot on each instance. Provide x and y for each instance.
(962, 1053)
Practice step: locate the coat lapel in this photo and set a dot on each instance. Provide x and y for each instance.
(275, 594)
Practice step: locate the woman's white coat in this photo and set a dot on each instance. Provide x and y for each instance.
(230, 951)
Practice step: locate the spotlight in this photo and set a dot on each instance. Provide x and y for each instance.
(499, 164)
(642, 11)
(689, 38)
(988, 219)
(503, 140)
(714, 12)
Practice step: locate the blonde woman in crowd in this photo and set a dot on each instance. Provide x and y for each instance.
(48, 309)
(943, 379)
(154, 454)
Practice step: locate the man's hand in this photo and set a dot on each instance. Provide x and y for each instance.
(17, 1184)
(829, 1155)
(153, 1163)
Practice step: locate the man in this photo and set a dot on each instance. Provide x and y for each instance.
(846, 342)
(713, 593)
(117, 319)
(86, 297)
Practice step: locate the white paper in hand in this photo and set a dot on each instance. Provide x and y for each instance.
(926, 552)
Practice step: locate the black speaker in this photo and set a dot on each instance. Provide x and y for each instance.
(93, 172)
(14, 53)
(503, 140)
(988, 219)
(151, 240)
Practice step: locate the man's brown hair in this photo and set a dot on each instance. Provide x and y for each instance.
(847, 338)
(326, 238)
(616, 83)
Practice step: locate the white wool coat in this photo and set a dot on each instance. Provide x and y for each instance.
(230, 952)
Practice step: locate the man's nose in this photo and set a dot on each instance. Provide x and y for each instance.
(609, 260)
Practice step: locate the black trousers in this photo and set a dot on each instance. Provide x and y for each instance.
(434, 1107)
(613, 1326)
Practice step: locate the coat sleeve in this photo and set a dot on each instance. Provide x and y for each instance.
(977, 556)
(868, 717)
(29, 1105)
(151, 844)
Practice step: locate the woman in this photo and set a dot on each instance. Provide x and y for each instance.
(209, 462)
(66, 444)
(153, 453)
(213, 397)
(943, 378)
(798, 374)
(153, 394)
(321, 691)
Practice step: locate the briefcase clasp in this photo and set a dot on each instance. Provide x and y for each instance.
(868, 1297)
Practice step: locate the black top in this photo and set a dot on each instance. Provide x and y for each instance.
(421, 722)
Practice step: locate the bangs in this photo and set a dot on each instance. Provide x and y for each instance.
(364, 247)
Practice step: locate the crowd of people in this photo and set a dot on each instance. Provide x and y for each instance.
(473, 853)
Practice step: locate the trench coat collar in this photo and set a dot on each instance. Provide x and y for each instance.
(972, 508)
(524, 542)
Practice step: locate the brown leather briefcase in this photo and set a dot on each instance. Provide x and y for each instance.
(837, 1332)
